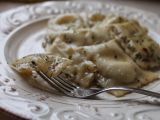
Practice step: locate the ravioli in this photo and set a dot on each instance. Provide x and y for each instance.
(49, 64)
(116, 67)
(99, 50)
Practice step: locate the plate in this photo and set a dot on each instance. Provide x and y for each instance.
(22, 31)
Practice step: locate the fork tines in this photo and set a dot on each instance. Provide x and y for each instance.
(58, 83)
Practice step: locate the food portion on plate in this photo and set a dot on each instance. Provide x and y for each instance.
(95, 50)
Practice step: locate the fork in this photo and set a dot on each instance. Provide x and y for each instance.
(72, 90)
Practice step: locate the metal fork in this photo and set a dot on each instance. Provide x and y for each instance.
(72, 90)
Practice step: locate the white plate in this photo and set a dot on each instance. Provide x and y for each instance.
(22, 32)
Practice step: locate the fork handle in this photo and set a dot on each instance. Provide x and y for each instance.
(134, 90)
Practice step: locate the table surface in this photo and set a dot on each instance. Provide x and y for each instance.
(151, 6)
